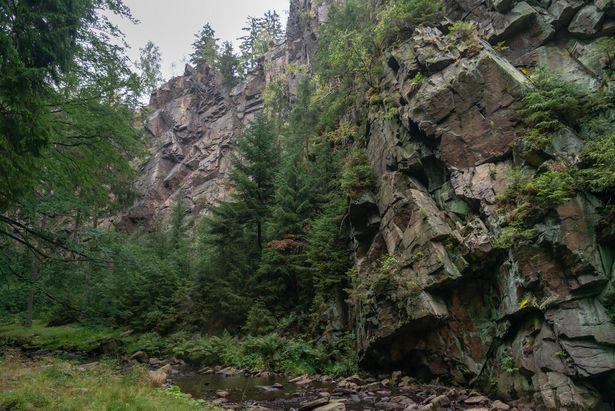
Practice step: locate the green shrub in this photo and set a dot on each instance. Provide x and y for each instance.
(150, 343)
(550, 104)
(398, 18)
(553, 187)
(260, 320)
(600, 154)
(357, 174)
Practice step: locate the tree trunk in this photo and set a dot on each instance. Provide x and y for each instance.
(36, 265)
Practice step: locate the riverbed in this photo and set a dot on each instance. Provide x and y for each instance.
(278, 392)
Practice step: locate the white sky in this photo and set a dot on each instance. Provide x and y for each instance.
(171, 24)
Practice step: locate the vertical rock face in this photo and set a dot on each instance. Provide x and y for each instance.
(194, 124)
(526, 320)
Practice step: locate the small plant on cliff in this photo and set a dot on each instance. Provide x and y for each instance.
(527, 199)
(508, 364)
(398, 18)
(463, 33)
(600, 154)
(357, 175)
(550, 104)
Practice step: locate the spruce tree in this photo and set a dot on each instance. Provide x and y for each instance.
(261, 32)
(228, 64)
(253, 176)
(205, 46)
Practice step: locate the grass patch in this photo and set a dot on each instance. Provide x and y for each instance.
(51, 384)
(66, 337)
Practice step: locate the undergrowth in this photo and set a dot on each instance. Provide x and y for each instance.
(50, 384)
(273, 352)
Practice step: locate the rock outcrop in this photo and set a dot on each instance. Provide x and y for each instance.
(527, 320)
(194, 124)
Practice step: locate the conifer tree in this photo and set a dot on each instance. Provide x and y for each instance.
(228, 64)
(205, 46)
(261, 32)
(253, 176)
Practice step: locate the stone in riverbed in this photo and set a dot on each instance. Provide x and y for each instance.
(310, 405)
(159, 376)
(257, 408)
(222, 393)
(476, 399)
(440, 401)
(332, 406)
(389, 406)
(499, 405)
(139, 356)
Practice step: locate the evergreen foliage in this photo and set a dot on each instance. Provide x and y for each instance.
(229, 65)
(205, 46)
(398, 18)
(553, 105)
(272, 257)
(261, 34)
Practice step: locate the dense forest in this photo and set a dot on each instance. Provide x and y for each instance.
(257, 280)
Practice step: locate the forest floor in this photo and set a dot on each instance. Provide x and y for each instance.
(46, 383)
(73, 367)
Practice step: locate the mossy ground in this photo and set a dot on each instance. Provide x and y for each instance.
(52, 384)
(66, 337)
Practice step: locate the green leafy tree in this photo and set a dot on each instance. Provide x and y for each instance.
(253, 175)
(149, 65)
(52, 54)
(346, 47)
(66, 136)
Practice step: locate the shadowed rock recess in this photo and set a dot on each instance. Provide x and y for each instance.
(526, 321)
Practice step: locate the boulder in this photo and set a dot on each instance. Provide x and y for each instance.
(587, 21)
(559, 391)
(563, 11)
(310, 405)
(332, 406)
(159, 377)
(140, 356)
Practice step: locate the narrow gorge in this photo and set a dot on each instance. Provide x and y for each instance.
(475, 246)
(526, 318)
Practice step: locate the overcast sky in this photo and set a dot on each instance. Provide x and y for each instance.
(171, 24)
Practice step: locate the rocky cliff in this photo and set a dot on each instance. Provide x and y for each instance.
(195, 122)
(524, 320)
